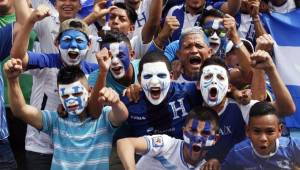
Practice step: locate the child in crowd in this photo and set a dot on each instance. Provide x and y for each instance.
(164, 152)
(80, 142)
(265, 148)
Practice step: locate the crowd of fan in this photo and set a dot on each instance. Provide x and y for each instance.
(142, 84)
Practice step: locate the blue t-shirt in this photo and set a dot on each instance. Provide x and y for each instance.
(79, 144)
(242, 156)
(111, 81)
(6, 34)
(167, 117)
(42, 60)
(231, 129)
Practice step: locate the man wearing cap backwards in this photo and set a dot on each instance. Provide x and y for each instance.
(73, 45)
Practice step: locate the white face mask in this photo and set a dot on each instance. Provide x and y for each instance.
(155, 81)
(74, 97)
(81, 55)
(213, 84)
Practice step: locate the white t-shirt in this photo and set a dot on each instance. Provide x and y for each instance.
(44, 87)
(189, 20)
(288, 6)
(164, 152)
(143, 15)
(138, 46)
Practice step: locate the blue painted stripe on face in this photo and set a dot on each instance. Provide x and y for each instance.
(195, 124)
(73, 39)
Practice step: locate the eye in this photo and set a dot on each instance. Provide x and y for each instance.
(162, 75)
(220, 77)
(198, 45)
(208, 76)
(147, 76)
(209, 32)
(257, 131)
(77, 94)
(270, 131)
(79, 40)
(65, 96)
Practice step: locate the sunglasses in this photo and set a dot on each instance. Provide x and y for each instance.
(210, 31)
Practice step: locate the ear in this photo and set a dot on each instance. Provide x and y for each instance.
(132, 28)
(56, 43)
(90, 43)
(131, 54)
(229, 88)
(198, 85)
(210, 51)
(247, 129)
(280, 127)
(171, 75)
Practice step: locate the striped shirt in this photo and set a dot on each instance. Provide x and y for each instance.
(79, 145)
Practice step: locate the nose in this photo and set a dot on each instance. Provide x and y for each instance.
(263, 138)
(73, 44)
(214, 36)
(114, 61)
(154, 80)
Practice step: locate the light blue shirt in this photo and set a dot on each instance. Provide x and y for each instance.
(79, 145)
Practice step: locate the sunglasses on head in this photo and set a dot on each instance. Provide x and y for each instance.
(210, 31)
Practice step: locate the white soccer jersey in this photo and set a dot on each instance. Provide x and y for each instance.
(164, 152)
(288, 6)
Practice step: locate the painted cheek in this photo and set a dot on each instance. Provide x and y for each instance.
(64, 44)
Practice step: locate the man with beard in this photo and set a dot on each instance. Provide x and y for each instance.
(73, 44)
(165, 152)
(214, 85)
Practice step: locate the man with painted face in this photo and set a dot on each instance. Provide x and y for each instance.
(78, 132)
(165, 152)
(214, 84)
(44, 67)
(122, 69)
(163, 105)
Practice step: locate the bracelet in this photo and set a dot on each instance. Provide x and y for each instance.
(239, 45)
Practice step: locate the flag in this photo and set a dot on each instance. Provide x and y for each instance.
(87, 7)
(285, 30)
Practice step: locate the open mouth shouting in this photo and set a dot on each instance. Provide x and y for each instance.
(195, 61)
(73, 107)
(155, 92)
(73, 54)
(117, 69)
(213, 94)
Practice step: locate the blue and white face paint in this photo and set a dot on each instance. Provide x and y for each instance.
(73, 47)
(216, 34)
(198, 142)
(155, 81)
(120, 61)
(213, 84)
(74, 97)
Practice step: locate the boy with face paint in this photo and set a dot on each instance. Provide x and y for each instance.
(163, 105)
(265, 148)
(214, 84)
(44, 68)
(122, 69)
(78, 132)
(165, 152)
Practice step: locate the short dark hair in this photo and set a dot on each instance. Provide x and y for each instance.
(69, 74)
(214, 61)
(210, 13)
(115, 36)
(261, 109)
(132, 15)
(204, 114)
(151, 57)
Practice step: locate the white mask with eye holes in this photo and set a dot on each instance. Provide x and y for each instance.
(213, 84)
(155, 81)
(74, 97)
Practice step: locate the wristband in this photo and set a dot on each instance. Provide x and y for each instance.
(239, 45)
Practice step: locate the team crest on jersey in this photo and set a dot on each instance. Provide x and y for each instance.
(283, 164)
(157, 141)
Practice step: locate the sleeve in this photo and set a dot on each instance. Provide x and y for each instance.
(48, 119)
(295, 148)
(42, 60)
(229, 161)
(158, 145)
(6, 34)
(105, 117)
(93, 78)
(170, 50)
(245, 109)
(139, 47)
